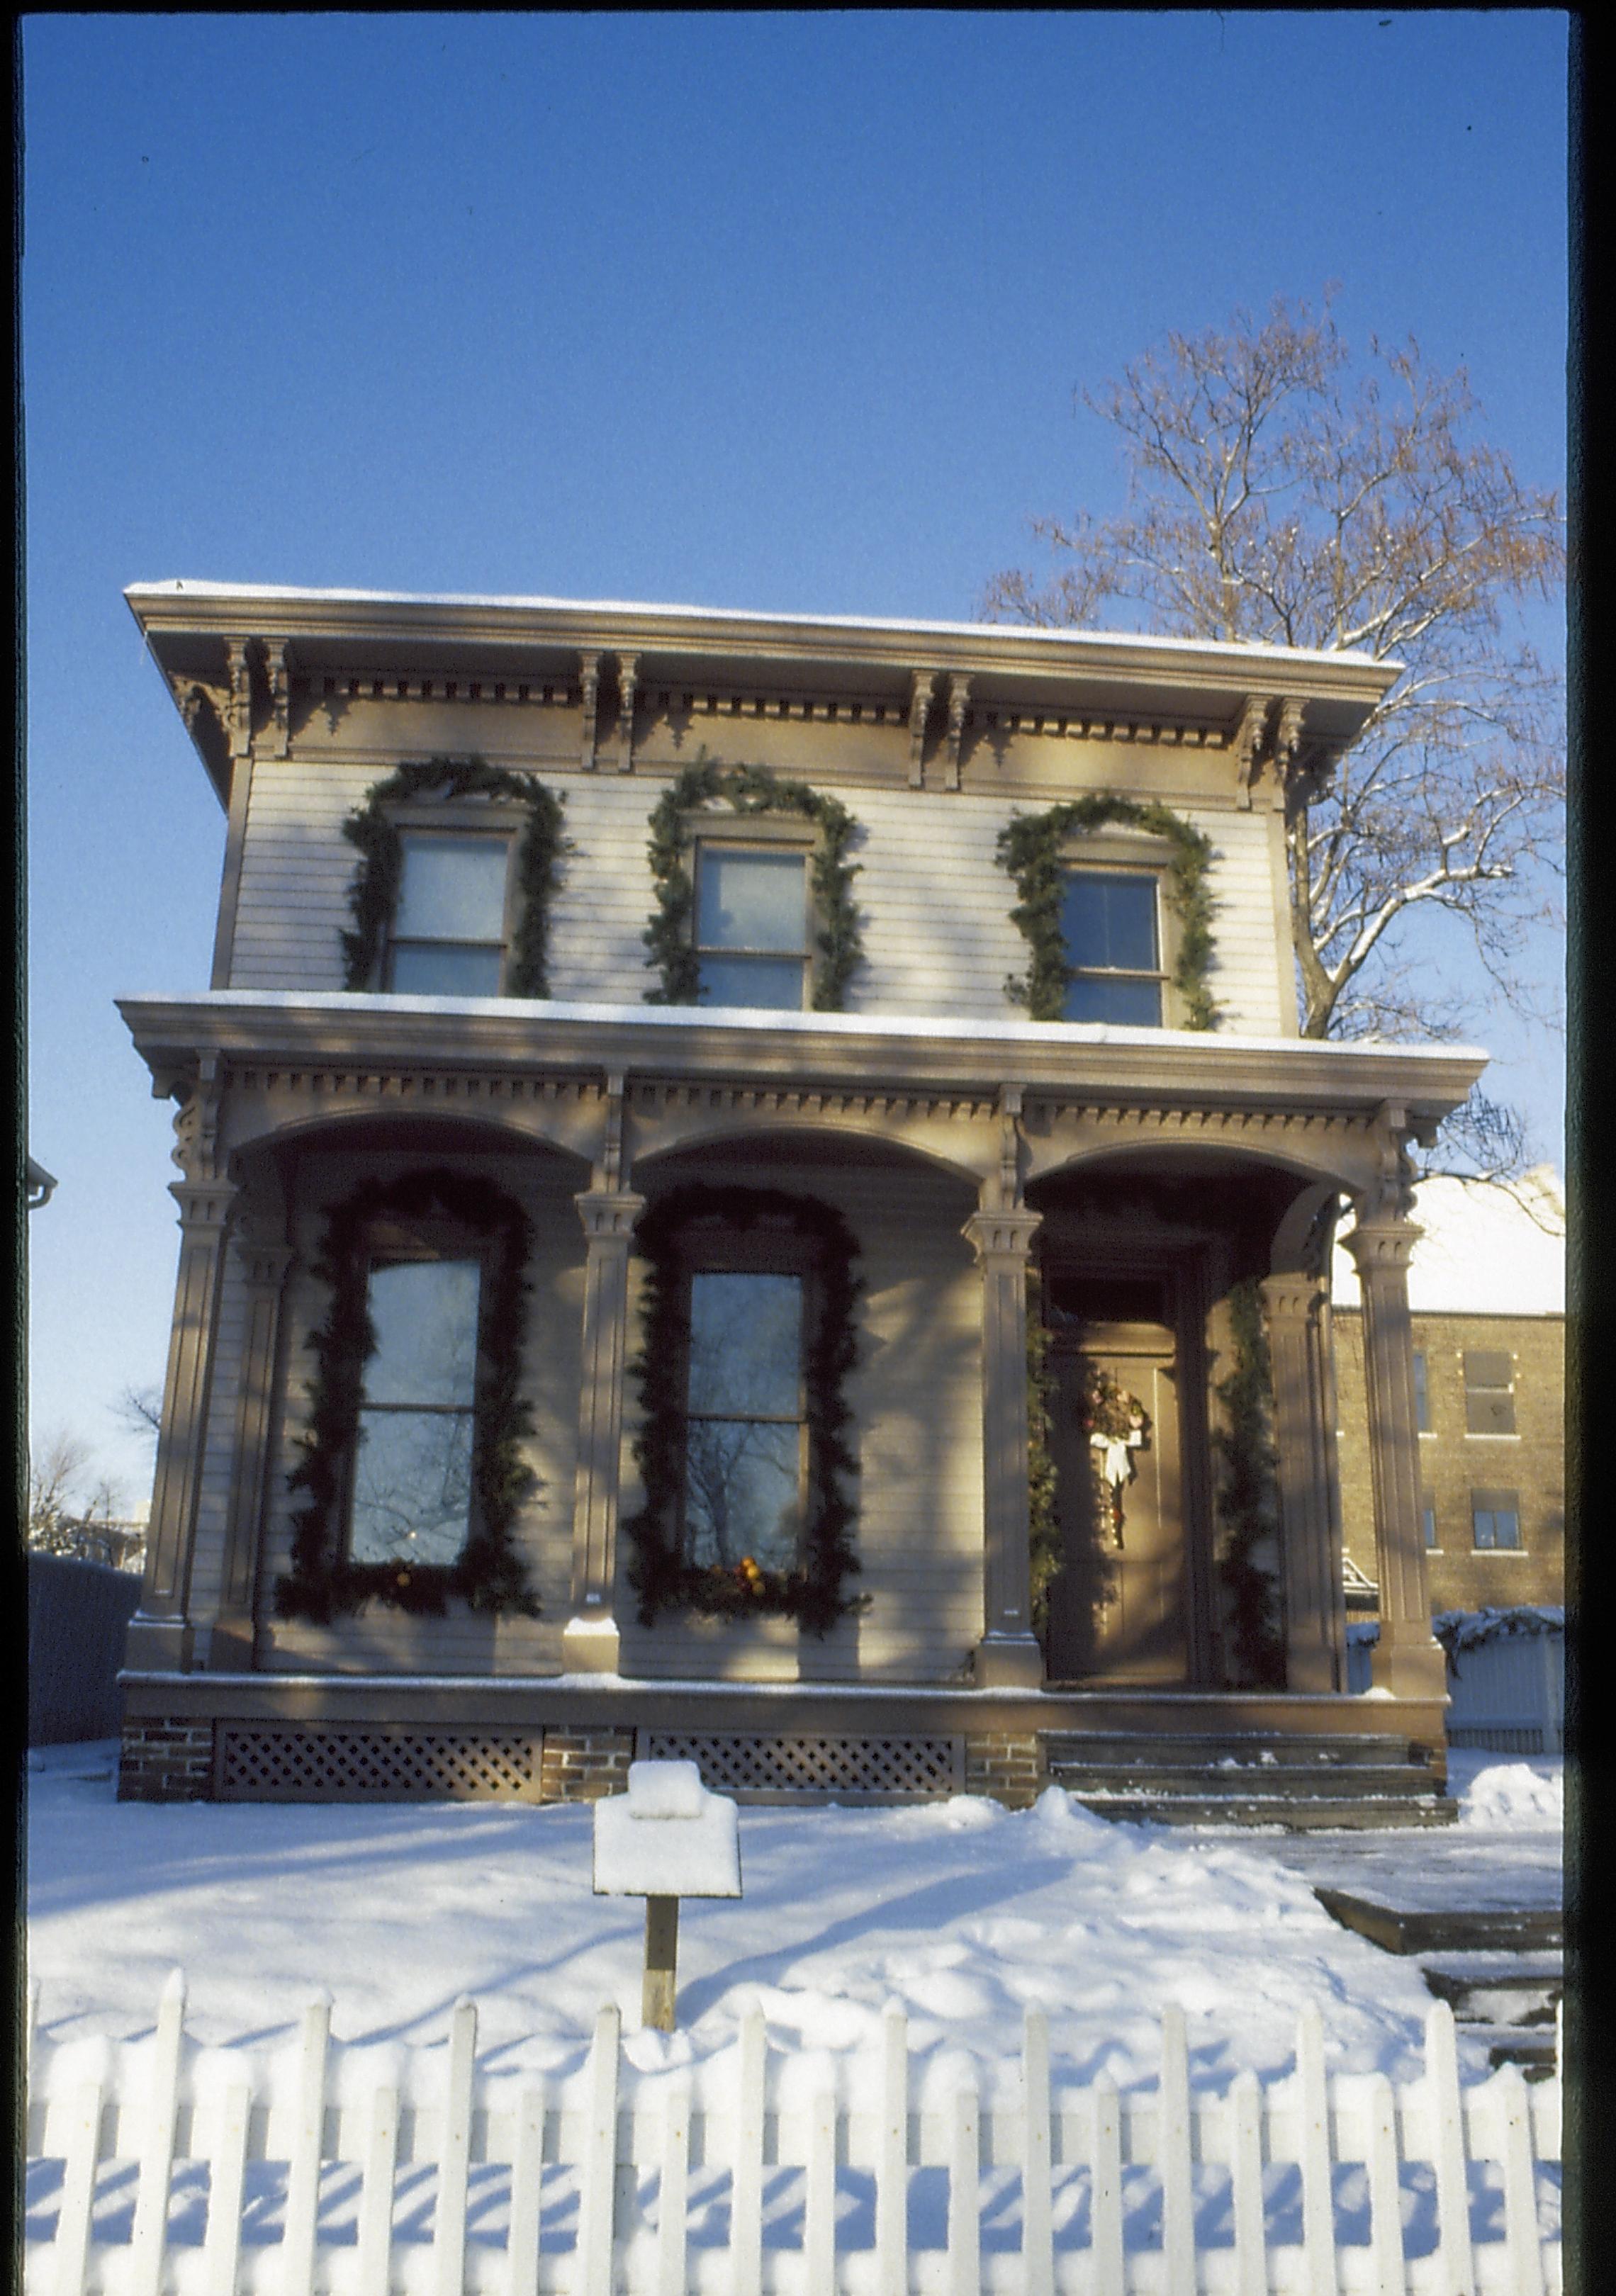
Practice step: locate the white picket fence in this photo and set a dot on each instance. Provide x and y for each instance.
(159, 2166)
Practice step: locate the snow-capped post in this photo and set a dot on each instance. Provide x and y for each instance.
(666, 1838)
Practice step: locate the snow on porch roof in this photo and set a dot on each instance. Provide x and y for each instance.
(718, 620)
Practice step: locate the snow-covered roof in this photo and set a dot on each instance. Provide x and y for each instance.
(1487, 1249)
(986, 633)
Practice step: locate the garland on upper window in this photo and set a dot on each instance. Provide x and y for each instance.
(374, 895)
(1029, 847)
(324, 1582)
(750, 789)
(1247, 1499)
(814, 1592)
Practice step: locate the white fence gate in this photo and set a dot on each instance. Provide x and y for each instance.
(159, 2166)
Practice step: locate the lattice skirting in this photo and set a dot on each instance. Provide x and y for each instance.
(851, 1769)
(379, 1764)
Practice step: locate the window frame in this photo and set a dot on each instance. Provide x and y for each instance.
(1107, 852)
(1493, 1547)
(1421, 1392)
(1477, 1390)
(752, 833)
(393, 1240)
(496, 821)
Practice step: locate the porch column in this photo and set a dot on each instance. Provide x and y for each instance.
(589, 1641)
(1408, 1659)
(159, 1632)
(1292, 1306)
(1008, 1654)
(263, 1272)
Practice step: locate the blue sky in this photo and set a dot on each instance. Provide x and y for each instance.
(783, 311)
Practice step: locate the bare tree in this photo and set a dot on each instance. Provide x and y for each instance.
(73, 1513)
(141, 1409)
(1279, 495)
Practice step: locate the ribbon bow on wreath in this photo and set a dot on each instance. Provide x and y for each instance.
(1117, 1425)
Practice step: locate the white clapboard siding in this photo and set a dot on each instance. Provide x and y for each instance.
(934, 902)
(753, 2172)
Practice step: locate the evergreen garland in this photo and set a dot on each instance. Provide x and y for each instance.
(670, 938)
(373, 895)
(1030, 848)
(1246, 1501)
(658, 1573)
(324, 1582)
(1047, 1553)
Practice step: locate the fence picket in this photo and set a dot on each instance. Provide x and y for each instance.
(226, 2177)
(376, 2193)
(1106, 2209)
(597, 2205)
(1519, 2185)
(83, 2152)
(455, 2159)
(892, 2156)
(307, 2145)
(1175, 2150)
(746, 2170)
(1385, 2216)
(819, 2200)
(673, 2189)
(1456, 2270)
(77, 2098)
(1037, 2229)
(157, 2152)
(1317, 2201)
(1245, 2178)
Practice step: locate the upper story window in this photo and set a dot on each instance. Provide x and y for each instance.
(1422, 1394)
(412, 1478)
(1490, 1391)
(450, 925)
(752, 925)
(1113, 936)
(745, 1425)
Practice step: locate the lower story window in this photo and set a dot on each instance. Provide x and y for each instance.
(1428, 1522)
(1495, 1520)
(412, 1480)
(745, 1429)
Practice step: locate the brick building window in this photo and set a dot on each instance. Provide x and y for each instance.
(1422, 1395)
(1489, 1393)
(1495, 1519)
(1428, 1522)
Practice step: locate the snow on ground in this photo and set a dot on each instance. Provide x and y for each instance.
(961, 1912)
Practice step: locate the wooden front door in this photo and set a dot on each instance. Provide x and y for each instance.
(1119, 1607)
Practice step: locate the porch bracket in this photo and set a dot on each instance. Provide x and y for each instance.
(1008, 1655)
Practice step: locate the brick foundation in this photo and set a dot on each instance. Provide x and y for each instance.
(1007, 1767)
(584, 1765)
(165, 1761)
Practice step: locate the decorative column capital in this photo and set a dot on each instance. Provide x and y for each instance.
(609, 1214)
(205, 1206)
(1290, 1297)
(1001, 1235)
(1383, 1246)
(263, 1266)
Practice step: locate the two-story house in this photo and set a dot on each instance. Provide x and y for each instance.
(748, 1186)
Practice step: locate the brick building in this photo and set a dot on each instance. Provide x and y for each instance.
(1487, 1296)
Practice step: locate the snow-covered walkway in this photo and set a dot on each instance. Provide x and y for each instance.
(961, 1911)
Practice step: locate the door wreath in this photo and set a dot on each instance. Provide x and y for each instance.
(1119, 1428)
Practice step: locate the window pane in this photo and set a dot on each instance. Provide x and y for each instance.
(751, 900)
(1421, 1399)
(1125, 1003)
(740, 1486)
(453, 888)
(746, 1345)
(424, 1315)
(774, 983)
(1109, 921)
(412, 1487)
(1428, 1522)
(1489, 1411)
(1491, 1367)
(447, 971)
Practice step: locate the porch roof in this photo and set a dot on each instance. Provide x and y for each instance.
(881, 1053)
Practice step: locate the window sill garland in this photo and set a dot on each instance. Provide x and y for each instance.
(815, 1593)
(374, 895)
(323, 1583)
(1029, 847)
(748, 790)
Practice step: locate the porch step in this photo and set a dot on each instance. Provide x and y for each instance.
(1302, 1783)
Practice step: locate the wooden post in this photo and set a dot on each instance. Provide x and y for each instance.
(662, 1959)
